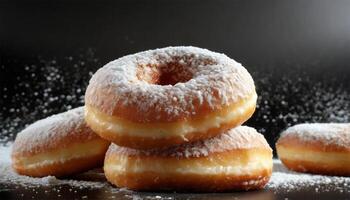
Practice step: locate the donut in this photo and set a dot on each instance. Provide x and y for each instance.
(320, 148)
(239, 159)
(170, 96)
(59, 145)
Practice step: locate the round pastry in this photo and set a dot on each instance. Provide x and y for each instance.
(59, 145)
(165, 97)
(316, 148)
(239, 159)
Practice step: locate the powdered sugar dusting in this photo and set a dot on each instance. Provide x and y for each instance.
(242, 137)
(216, 81)
(47, 132)
(329, 133)
(287, 180)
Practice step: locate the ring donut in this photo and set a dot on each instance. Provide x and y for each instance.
(165, 97)
(59, 145)
(239, 159)
(316, 148)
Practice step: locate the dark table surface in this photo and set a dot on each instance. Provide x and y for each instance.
(66, 192)
(297, 51)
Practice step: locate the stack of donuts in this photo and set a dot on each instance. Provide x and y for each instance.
(173, 117)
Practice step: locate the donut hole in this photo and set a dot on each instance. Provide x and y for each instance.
(164, 74)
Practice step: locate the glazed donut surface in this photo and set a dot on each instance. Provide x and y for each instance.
(240, 159)
(59, 145)
(168, 96)
(316, 148)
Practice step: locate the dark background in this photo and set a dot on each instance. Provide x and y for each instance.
(297, 51)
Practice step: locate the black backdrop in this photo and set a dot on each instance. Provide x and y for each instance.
(297, 51)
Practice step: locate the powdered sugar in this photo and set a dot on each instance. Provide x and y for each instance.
(242, 137)
(287, 180)
(329, 133)
(213, 80)
(52, 130)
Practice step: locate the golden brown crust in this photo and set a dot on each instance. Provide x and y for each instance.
(60, 169)
(234, 140)
(148, 142)
(131, 113)
(189, 182)
(224, 157)
(316, 168)
(152, 180)
(239, 105)
(191, 168)
(313, 156)
(83, 135)
(316, 145)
